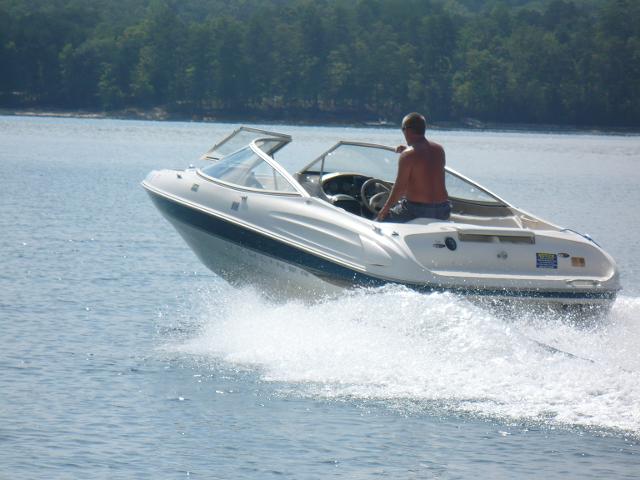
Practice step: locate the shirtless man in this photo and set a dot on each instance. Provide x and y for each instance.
(419, 189)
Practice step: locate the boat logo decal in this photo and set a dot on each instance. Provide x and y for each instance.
(546, 260)
(439, 245)
(502, 255)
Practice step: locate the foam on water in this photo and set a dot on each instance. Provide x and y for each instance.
(396, 345)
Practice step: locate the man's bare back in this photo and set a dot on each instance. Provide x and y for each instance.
(426, 177)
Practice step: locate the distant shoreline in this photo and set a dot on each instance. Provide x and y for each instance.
(158, 114)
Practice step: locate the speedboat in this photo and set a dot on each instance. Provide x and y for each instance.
(313, 232)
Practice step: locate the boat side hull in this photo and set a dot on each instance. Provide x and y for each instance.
(240, 255)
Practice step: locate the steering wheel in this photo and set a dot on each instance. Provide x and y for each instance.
(376, 201)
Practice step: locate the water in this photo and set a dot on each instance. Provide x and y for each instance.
(122, 357)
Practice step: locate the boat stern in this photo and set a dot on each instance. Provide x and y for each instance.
(557, 266)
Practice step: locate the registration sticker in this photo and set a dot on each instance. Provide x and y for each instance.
(546, 260)
(578, 262)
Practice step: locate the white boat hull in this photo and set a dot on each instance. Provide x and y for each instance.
(251, 221)
(240, 266)
(289, 267)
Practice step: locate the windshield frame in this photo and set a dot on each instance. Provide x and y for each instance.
(341, 143)
(299, 190)
(321, 172)
(500, 202)
(213, 154)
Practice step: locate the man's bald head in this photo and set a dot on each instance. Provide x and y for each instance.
(414, 122)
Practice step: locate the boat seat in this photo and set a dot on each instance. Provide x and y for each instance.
(511, 221)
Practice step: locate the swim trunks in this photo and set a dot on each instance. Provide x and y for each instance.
(404, 211)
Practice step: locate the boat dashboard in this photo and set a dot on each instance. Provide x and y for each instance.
(343, 183)
(354, 192)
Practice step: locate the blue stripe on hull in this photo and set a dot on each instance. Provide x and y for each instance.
(327, 270)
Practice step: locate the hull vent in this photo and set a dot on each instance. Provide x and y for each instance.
(496, 238)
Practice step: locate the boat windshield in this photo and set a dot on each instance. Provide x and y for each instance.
(243, 137)
(381, 162)
(367, 160)
(246, 169)
(463, 189)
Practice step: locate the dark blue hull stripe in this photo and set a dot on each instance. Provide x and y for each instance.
(325, 269)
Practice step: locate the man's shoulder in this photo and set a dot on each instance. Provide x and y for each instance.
(410, 155)
(436, 146)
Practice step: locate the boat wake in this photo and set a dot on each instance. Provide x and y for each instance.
(411, 350)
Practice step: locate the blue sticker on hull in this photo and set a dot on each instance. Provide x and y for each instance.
(546, 260)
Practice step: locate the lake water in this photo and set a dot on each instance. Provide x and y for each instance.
(121, 356)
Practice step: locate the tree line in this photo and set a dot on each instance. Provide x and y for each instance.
(510, 61)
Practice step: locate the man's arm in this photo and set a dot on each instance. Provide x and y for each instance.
(400, 186)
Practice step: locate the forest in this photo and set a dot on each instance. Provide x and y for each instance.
(559, 62)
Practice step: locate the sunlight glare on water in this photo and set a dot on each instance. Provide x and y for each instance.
(394, 344)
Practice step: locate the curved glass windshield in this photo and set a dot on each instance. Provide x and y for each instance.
(245, 168)
(369, 161)
(267, 145)
(243, 137)
(380, 162)
(464, 190)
